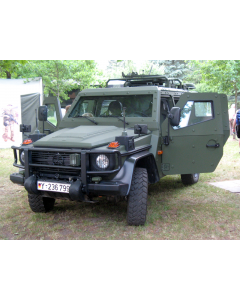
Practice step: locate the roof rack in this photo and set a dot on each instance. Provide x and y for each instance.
(134, 80)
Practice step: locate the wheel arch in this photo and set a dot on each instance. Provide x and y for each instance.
(148, 162)
(139, 160)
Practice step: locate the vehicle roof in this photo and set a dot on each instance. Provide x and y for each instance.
(122, 90)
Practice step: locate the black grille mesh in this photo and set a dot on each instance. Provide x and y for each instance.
(55, 160)
(45, 170)
(51, 158)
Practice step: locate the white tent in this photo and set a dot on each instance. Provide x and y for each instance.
(13, 103)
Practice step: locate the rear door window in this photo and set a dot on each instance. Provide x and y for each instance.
(195, 112)
(51, 114)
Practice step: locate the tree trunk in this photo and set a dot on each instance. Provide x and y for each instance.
(8, 75)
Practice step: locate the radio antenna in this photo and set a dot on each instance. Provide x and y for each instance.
(124, 122)
(36, 131)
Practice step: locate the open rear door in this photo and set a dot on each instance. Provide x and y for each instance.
(29, 106)
(196, 145)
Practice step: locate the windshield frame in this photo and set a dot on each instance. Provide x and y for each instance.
(97, 105)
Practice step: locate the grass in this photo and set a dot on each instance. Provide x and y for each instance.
(175, 212)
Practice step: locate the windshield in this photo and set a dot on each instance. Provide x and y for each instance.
(112, 106)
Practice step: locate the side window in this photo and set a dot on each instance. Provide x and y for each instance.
(51, 114)
(195, 112)
(203, 110)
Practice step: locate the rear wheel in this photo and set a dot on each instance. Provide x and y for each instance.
(190, 178)
(137, 198)
(38, 203)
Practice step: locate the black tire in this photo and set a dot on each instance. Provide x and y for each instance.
(41, 204)
(190, 178)
(137, 198)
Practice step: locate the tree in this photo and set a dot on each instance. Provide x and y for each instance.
(61, 76)
(9, 67)
(116, 67)
(221, 75)
(173, 68)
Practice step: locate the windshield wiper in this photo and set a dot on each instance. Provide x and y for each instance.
(111, 116)
(78, 116)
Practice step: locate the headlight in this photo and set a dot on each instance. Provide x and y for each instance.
(22, 158)
(102, 161)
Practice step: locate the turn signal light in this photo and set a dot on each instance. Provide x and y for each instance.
(114, 145)
(160, 152)
(26, 142)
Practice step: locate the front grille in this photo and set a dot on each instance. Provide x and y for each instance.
(67, 172)
(50, 163)
(51, 158)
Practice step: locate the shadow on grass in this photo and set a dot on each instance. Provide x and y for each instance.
(166, 186)
(103, 210)
(159, 199)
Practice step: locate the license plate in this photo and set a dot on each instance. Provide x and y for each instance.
(53, 186)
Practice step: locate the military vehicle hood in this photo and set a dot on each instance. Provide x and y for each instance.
(81, 137)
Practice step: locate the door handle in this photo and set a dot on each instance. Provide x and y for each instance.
(213, 146)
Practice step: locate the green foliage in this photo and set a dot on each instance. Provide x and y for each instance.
(61, 76)
(9, 68)
(220, 75)
(116, 67)
(173, 68)
(193, 75)
(204, 88)
(223, 75)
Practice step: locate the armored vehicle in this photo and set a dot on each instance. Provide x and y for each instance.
(115, 141)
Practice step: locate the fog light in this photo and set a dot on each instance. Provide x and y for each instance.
(22, 158)
(102, 161)
(75, 160)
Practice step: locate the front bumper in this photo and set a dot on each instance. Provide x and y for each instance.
(17, 178)
(114, 181)
(78, 176)
(76, 190)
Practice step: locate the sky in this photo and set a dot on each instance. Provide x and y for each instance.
(103, 63)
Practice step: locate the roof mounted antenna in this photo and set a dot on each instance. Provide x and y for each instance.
(36, 131)
(150, 70)
(124, 133)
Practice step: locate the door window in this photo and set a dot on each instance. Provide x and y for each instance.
(51, 114)
(195, 112)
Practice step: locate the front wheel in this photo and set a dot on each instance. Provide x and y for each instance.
(38, 203)
(190, 178)
(137, 198)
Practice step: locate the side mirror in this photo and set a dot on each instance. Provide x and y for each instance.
(25, 128)
(42, 113)
(174, 116)
(140, 129)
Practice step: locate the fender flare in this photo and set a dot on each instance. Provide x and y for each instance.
(143, 160)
